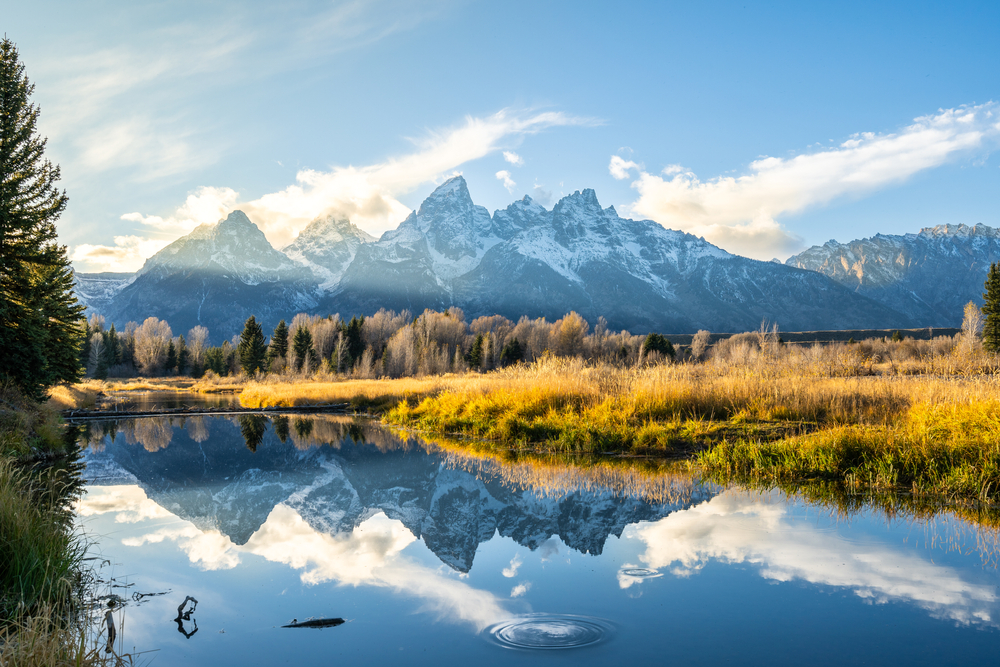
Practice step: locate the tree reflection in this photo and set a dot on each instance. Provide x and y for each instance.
(280, 427)
(303, 427)
(253, 427)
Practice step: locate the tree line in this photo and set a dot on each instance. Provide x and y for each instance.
(391, 344)
(385, 344)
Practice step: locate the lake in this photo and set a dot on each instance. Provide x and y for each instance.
(431, 554)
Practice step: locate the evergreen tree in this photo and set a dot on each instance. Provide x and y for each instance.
(658, 343)
(355, 340)
(183, 356)
(101, 372)
(40, 332)
(252, 351)
(511, 353)
(302, 343)
(991, 309)
(475, 356)
(171, 363)
(279, 343)
(897, 337)
(112, 348)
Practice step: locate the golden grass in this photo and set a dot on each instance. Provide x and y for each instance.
(44, 638)
(361, 394)
(76, 396)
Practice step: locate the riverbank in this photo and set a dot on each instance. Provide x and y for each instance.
(921, 433)
(41, 568)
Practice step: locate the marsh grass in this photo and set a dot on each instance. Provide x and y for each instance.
(921, 434)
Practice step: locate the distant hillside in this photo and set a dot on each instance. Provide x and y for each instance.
(929, 277)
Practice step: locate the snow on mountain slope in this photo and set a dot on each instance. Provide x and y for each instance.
(217, 276)
(96, 290)
(522, 260)
(327, 246)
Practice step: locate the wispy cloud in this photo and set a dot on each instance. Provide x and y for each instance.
(139, 107)
(367, 195)
(508, 182)
(738, 527)
(513, 158)
(739, 213)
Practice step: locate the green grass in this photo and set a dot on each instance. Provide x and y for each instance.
(41, 557)
(874, 438)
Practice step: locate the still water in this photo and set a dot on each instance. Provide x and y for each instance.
(431, 555)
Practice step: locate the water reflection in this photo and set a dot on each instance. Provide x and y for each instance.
(746, 527)
(347, 502)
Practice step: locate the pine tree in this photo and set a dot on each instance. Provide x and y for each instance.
(171, 363)
(658, 343)
(355, 340)
(279, 344)
(40, 318)
(252, 351)
(302, 343)
(475, 356)
(991, 309)
(183, 356)
(511, 353)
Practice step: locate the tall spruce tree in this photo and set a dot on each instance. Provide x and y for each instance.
(279, 344)
(991, 309)
(252, 351)
(302, 347)
(40, 319)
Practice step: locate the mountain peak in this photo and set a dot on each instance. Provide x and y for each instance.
(960, 230)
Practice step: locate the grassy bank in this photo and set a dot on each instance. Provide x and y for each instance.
(926, 434)
(41, 563)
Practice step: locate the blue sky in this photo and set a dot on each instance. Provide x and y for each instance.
(765, 127)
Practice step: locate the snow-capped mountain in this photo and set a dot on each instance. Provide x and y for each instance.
(527, 260)
(928, 276)
(327, 246)
(96, 290)
(522, 260)
(216, 276)
(217, 483)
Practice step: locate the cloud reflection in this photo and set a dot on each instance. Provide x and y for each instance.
(371, 555)
(736, 527)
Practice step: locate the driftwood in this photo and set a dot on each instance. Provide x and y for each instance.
(183, 615)
(315, 623)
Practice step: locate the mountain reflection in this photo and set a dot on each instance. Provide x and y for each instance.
(230, 474)
(339, 499)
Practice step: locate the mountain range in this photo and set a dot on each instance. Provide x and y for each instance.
(529, 260)
(929, 276)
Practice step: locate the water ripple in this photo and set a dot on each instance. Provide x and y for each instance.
(550, 631)
(640, 572)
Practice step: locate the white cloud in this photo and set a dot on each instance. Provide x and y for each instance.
(515, 564)
(513, 158)
(126, 255)
(508, 182)
(739, 527)
(739, 213)
(520, 589)
(620, 167)
(367, 195)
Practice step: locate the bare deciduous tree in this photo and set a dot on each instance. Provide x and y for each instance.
(699, 344)
(197, 341)
(151, 340)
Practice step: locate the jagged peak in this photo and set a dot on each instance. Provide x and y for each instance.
(332, 227)
(585, 200)
(960, 230)
(454, 187)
